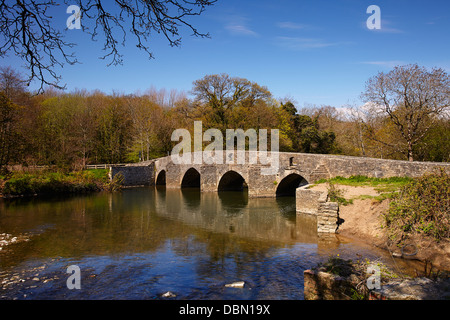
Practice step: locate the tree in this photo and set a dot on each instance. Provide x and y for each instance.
(219, 95)
(313, 139)
(306, 132)
(12, 99)
(12, 85)
(8, 133)
(435, 146)
(28, 30)
(145, 115)
(113, 131)
(413, 98)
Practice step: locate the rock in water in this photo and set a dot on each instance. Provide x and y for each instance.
(168, 294)
(239, 284)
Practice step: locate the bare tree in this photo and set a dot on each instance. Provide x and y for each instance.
(413, 98)
(28, 30)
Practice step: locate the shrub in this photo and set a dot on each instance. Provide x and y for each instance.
(21, 184)
(421, 207)
(56, 183)
(115, 184)
(336, 195)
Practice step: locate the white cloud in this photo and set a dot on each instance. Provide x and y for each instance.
(297, 43)
(238, 25)
(291, 25)
(240, 29)
(387, 27)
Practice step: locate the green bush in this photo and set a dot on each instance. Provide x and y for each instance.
(55, 183)
(19, 185)
(421, 207)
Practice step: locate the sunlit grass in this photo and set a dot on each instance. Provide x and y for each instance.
(382, 185)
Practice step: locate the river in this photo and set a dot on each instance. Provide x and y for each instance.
(143, 242)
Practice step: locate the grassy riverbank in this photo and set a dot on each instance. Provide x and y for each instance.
(50, 183)
(410, 217)
(417, 206)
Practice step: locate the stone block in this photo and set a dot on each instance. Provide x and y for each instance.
(308, 201)
(319, 285)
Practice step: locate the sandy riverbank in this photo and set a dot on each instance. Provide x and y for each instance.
(363, 221)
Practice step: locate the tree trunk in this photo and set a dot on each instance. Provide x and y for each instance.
(410, 152)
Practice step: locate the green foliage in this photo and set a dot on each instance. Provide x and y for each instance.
(315, 141)
(54, 183)
(113, 133)
(421, 207)
(306, 134)
(9, 137)
(99, 174)
(435, 145)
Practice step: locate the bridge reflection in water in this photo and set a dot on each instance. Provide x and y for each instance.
(235, 213)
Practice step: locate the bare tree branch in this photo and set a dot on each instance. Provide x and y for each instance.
(28, 31)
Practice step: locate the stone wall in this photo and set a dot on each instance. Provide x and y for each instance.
(328, 217)
(316, 203)
(319, 166)
(135, 175)
(308, 201)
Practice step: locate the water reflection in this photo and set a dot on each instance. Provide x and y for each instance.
(146, 241)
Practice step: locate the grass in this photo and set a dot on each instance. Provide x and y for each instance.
(386, 187)
(380, 184)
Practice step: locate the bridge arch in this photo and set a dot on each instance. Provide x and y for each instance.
(191, 179)
(161, 178)
(290, 183)
(232, 181)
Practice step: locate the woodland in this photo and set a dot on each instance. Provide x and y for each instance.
(405, 116)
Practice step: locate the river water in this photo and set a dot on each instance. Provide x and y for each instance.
(143, 242)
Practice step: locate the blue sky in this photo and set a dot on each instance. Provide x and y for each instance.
(314, 51)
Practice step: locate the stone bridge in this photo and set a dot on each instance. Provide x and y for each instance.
(294, 170)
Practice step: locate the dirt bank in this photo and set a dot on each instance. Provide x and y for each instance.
(363, 221)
